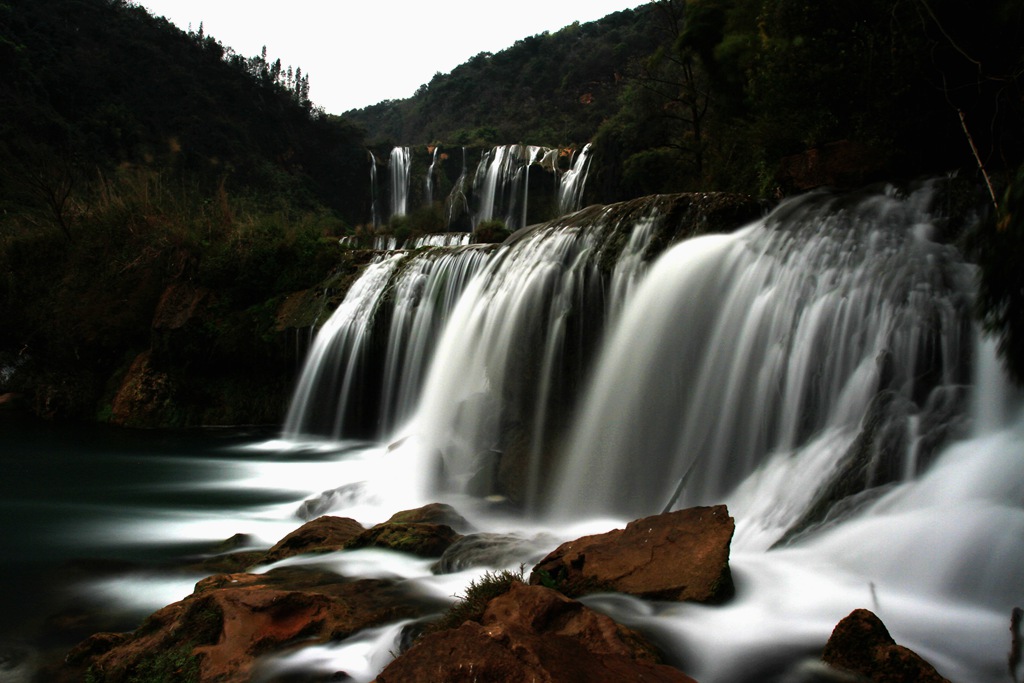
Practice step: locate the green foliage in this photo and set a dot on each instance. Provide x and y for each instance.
(552, 89)
(80, 95)
(493, 231)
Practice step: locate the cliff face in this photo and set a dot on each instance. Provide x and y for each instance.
(172, 353)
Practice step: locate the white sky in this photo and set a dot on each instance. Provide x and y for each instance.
(360, 52)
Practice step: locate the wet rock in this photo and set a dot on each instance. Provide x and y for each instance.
(532, 634)
(218, 632)
(682, 556)
(424, 540)
(861, 644)
(323, 534)
(434, 513)
(487, 550)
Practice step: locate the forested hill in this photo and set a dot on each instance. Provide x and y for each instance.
(733, 94)
(98, 84)
(550, 89)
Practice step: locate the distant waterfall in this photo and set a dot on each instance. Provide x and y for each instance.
(398, 166)
(431, 174)
(573, 182)
(456, 204)
(374, 209)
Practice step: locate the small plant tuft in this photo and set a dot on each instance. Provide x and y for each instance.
(478, 595)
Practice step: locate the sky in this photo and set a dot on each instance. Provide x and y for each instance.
(360, 52)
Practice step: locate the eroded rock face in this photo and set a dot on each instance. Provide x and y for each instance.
(217, 633)
(532, 634)
(682, 556)
(860, 644)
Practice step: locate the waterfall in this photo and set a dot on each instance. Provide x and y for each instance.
(398, 165)
(818, 370)
(320, 401)
(500, 185)
(828, 344)
(506, 370)
(573, 181)
(402, 298)
(374, 211)
(431, 173)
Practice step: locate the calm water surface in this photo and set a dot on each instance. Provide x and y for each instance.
(99, 523)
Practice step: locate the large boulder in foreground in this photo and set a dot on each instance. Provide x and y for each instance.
(860, 644)
(682, 556)
(217, 633)
(532, 633)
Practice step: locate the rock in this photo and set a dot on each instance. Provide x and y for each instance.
(843, 163)
(488, 550)
(145, 397)
(434, 513)
(323, 534)
(425, 540)
(861, 644)
(532, 634)
(682, 555)
(217, 633)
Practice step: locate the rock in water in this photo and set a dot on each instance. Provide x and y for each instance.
(532, 634)
(682, 555)
(861, 644)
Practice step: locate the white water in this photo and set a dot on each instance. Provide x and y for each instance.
(398, 167)
(760, 353)
(570, 189)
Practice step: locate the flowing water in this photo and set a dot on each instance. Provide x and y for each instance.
(817, 371)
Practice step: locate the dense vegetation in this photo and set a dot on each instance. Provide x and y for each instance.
(728, 94)
(134, 155)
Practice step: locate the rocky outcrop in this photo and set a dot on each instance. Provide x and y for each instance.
(682, 555)
(860, 644)
(532, 634)
(424, 540)
(217, 633)
(840, 164)
(323, 534)
(433, 513)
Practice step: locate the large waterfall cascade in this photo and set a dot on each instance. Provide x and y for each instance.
(818, 371)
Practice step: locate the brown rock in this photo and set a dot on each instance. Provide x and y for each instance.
(861, 644)
(682, 555)
(532, 634)
(217, 633)
(322, 534)
(843, 163)
(143, 398)
(425, 540)
(434, 513)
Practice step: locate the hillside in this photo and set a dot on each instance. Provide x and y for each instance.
(97, 85)
(769, 96)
